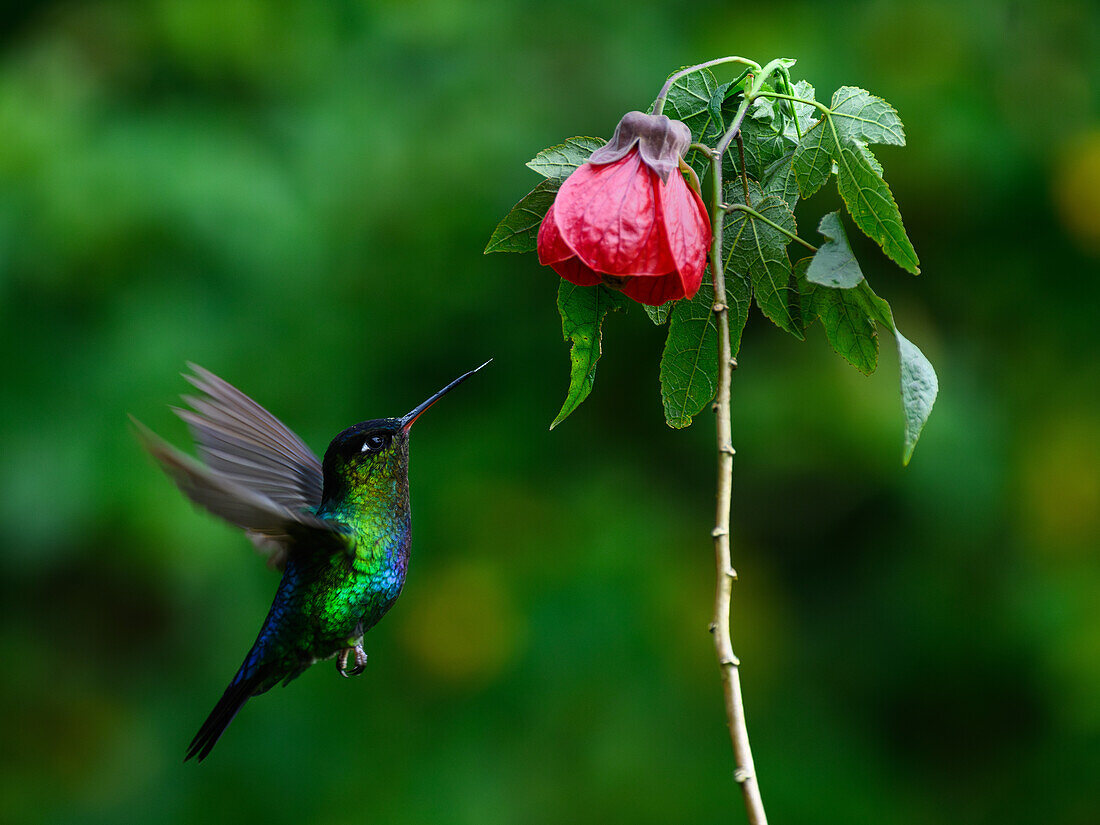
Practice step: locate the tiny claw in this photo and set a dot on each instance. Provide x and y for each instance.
(360, 661)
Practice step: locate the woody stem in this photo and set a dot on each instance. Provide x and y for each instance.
(744, 772)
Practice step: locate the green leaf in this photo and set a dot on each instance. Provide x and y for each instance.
(658, 315)
(739, 301)
(919, 388)
(583, 309)
(806, 291)
(807, 114)
(519, 230)
(872, 206)
(718, 100)
(859, 114)
(871, 159)
(848, 324)
(813, 160)
(689, 100)
(559, 162)
(834, 264)
(763, 144)
(854, 119)
(762, 138)
(779, 180)
(689, 364)
(755, 249)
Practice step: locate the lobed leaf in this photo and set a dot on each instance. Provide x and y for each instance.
(763, 143)
(834, 264)
(689, 100)
(759, 251)
(689, 363)
(583, 309)
(813, 159)
(838, 143)
(779, 180)
(860, 115)
(763, 140)
(559, 162)
(872, 206)
(519, 230)
(806, 114)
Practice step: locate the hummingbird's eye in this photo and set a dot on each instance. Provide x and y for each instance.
(373, 443)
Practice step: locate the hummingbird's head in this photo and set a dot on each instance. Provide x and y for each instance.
(373, 457)
(373, 454)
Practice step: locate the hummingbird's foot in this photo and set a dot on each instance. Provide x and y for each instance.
(360, 661)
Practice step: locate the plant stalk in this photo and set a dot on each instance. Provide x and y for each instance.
(745, 772)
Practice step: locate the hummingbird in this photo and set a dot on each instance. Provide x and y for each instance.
(338, 529)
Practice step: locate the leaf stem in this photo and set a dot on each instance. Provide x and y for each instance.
(743, 207)
(659, 103)
(778, 96)
(745, 771)
(744, 174)
(735, 126)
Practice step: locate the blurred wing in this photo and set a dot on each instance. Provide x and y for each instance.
(246, 444)
(271, 526)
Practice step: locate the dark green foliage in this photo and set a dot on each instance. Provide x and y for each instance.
(582, 311)
(790, 145)
(758, 250)
(558, 162)
(689, 364)
(854, 119)
(519, 230)
(834, 264)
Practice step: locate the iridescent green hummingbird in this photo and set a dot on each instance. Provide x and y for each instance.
(338, 529)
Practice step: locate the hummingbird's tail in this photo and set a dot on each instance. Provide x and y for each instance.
(244, 686)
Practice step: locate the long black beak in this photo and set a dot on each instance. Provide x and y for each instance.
(408, 419)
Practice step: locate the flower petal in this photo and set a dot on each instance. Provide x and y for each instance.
(655, 290)
(574, 271)
(551, 246)
(687, 229)
(608, 216)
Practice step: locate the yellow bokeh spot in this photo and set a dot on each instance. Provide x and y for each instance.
(462, 625)
(1077, 190)
(1061, 485)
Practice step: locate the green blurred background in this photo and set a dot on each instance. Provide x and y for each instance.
(296, 195)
